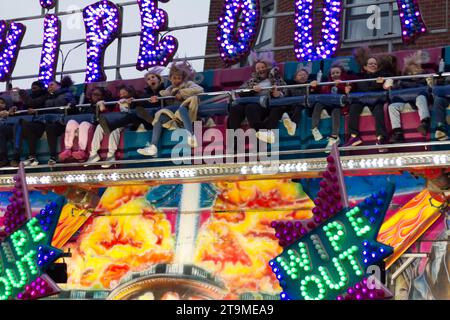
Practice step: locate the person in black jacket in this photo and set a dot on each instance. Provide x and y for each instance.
(50, 121)
(440, 105)
(7, 131)
(146, 109)
(420, 102)
(370, 70)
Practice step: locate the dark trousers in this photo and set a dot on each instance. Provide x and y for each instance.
(254, 113)
(121, 120)
(54, 130)
(276, 113)
(335, 114)
(33, 131)
(439, 109)
(6, 134)
(377, 112)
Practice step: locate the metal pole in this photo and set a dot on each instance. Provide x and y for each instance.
(119, 52)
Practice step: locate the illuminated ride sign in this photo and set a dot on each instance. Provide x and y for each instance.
(331, 259)
(237, 30)
(26, 251)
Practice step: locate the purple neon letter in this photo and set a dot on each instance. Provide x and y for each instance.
(236, 38)
(102, 22)
(153, 21)
(304, 47)
(411, 20)
(50, 48)
(47, 4)
(10, 41)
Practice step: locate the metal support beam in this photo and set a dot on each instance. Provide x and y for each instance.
(410, 259)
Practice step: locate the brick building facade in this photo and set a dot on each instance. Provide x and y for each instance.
(435, 14)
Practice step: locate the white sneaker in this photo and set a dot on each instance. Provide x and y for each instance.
(316, 134)
(93, 159)
(150, 150)
(332, 141)
(267, 136)
(210, 123)
(31, 161)
(440, 135)
(192, 141)
(109, 159)
(290, 125)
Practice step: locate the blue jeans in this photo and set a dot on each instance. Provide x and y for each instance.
(157, 128)
(439, 109)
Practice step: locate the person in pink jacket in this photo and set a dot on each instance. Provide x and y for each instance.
(97, 98)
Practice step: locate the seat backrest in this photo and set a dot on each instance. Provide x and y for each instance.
(447, 58)
(290, 69)
(114, 86)
(430, 58)
(205, 79)
(229, 79)
(348, 62)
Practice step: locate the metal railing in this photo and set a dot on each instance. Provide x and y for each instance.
(119, 65)
(231, 93)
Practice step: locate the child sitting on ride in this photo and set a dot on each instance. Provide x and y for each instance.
(7, 132)
(259, 117)
(337, 74)
(184, 91)
(413, 66)
(369, 70)
(97, 99)
(440, 105)
(126, 96)
(152, 91)
(58, 97)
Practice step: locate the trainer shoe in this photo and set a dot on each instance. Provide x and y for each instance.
(353, 142)
(65, 155)
(267, 136)
(93, 159)
(316, 134)
(150, 150)
(79, 155)
(332, 141)
(192, 141)
(31, 161)
(424, 127)
(440, 134)
(381, 141)
(109, 159)
(290, 125)
(52, 161)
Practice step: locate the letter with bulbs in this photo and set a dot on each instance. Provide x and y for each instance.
(325, 257)
(103, 23)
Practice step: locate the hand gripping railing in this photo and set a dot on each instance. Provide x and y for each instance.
(232, 93)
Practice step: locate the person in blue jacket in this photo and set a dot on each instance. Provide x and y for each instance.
(59, 94)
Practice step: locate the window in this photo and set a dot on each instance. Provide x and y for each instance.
(265, 37)
(360, 25)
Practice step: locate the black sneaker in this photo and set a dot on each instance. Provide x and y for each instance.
(397, 136)
(424, 127)
(31, 161)
(380, 142)
(4, 163)
(14, 163)
(52, 161)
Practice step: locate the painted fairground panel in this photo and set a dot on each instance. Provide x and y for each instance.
(215, 241)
